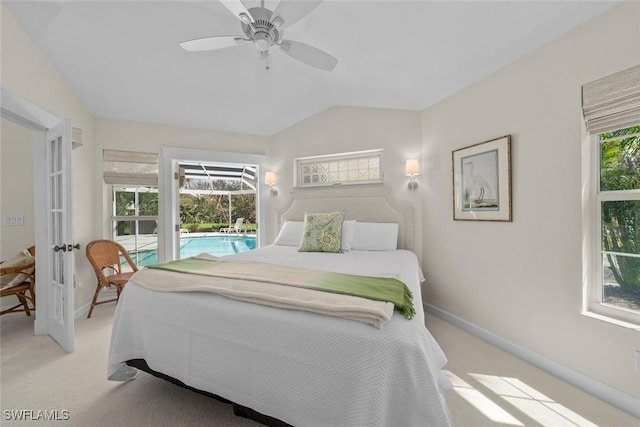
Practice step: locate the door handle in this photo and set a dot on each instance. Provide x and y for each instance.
(65, 248)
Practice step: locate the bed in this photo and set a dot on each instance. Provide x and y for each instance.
(292, 367)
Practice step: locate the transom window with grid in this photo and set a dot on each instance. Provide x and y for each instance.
(363, 167)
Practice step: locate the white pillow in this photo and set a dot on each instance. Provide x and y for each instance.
(348, 234)
(290, 234)
(375, 236)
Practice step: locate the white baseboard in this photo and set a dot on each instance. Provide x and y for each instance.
(78, 312)
(83, 310)
(602, 391)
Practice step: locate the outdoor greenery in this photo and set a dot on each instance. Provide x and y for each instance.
(200, 212)
(210, 212)
(125, 202)
(125, 206)
(620, 170)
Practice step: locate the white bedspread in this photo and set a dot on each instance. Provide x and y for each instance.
(303, 368)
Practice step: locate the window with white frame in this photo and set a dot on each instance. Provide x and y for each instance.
(612, 112)
(362, 167)
(134, 222)
(134, 208)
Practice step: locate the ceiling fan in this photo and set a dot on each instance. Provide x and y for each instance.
(265, 28)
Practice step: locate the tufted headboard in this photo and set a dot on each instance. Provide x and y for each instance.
(362, 203)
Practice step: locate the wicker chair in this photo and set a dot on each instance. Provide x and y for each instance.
(104, 256)
(25, 290)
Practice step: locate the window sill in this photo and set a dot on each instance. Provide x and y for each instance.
(337, 184)
(612, 320)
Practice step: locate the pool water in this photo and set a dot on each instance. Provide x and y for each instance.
(218, 245)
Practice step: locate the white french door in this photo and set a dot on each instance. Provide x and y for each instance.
(59, 275)
(51, 137)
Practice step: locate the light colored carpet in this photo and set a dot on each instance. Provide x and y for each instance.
(36, 374)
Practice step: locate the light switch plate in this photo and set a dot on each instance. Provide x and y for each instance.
(13, 220)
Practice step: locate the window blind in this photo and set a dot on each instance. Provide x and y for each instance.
(130, 167)
(612, 102)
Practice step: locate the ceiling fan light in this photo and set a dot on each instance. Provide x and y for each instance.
(262, 41)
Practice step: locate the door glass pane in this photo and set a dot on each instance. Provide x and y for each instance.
(59, 228)
(54, 268)
(54, 156)
(60, 260)
(58, 192)
(52, 191)
(59, 154)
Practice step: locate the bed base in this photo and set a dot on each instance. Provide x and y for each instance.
(238, 410)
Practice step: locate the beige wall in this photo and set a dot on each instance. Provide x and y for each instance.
(16, 188)
(523, 280)
(128, 135)
(345, 129)
(27, 73)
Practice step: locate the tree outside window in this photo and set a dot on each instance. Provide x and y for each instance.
(620, 217)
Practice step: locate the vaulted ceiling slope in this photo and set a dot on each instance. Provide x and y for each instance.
(123, 60)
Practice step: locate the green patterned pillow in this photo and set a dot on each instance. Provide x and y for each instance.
(322, 232)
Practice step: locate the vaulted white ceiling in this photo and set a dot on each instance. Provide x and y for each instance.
(123, 60)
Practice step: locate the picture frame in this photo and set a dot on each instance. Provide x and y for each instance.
(482, 181)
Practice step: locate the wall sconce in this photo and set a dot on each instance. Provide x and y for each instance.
(412, 169)
(270, 180)
(76, 138)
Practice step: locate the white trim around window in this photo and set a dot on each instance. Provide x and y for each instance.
(593, 253)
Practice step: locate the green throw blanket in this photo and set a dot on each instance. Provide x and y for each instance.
(372, 287)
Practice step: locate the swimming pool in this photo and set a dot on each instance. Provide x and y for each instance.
(217, 245)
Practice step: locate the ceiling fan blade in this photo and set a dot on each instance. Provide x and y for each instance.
(309, 55)
(237, 8)
(211, 43)
(291, 11)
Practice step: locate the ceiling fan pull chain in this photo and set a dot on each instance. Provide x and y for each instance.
(265, 56)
